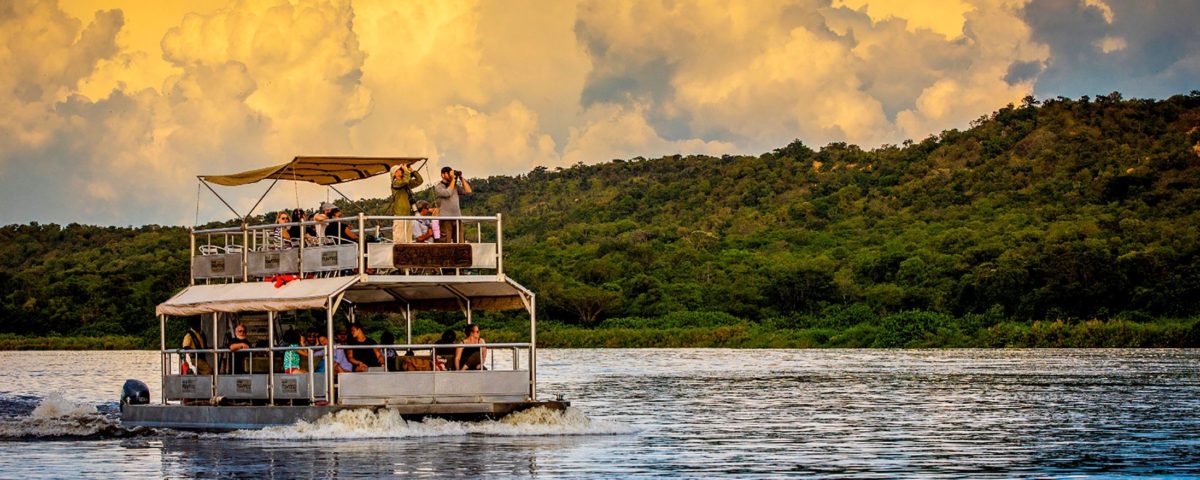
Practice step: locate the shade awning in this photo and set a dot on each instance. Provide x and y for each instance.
(254, 297)
(392, 293)
(318, 170)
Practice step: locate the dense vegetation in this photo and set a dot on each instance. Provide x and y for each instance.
(1063, 222)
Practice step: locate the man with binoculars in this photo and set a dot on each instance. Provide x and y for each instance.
(452, 185)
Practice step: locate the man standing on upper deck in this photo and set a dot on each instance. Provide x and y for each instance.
(452, 185)
(404, 180)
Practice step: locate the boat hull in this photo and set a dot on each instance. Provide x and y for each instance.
(224, 418)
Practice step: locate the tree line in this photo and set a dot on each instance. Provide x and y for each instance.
(1055, 210)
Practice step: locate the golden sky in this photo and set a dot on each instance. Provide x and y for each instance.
(114, 106)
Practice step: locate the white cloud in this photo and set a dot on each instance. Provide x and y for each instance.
(1111, 44)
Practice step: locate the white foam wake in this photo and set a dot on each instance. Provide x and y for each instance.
(385, 423)
(58, 417)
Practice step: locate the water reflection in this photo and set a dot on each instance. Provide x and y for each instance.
(422, 457)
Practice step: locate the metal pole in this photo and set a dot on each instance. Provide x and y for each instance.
(270, 357)
(329, 363)
(214, 192)
(312, 395)
(499, 245)
(408, 323)
(216, 362)
(362, 241)
(245, 252)
(300, 259)
(532, 347)
(162, 346)
(256, 204)
(192, 257)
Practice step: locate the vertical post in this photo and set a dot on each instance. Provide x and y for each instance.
(300, 257)
(245, 253)
(408, 323)
(499, 245)
(192, 256)
(532, 347)
(270, 357)
(162, 358)
(216, 360)
(329, 363)
(312, 395)
(362, 242)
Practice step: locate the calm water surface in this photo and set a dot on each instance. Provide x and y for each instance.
(696, 413)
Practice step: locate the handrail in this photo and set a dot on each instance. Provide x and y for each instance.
(261, 226)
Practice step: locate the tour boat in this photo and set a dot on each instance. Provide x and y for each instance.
(250, 275)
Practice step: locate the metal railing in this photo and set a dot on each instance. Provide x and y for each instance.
(173, 360)
(254, 252)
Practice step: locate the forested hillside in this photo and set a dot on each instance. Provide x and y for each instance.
(1066, 209)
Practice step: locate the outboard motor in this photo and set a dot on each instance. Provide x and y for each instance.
(135, 393)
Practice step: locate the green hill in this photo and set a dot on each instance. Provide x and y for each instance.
(1080, 212)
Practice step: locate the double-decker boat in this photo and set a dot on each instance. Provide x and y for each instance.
(250, 275)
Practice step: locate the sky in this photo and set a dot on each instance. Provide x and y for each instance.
(113, 107)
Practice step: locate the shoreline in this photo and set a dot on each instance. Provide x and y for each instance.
(1112, 333)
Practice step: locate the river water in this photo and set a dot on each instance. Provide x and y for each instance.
(690, 413)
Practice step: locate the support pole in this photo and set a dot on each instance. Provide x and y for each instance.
(270, 357)
(162, 356)
(216, 360)
(408, 321)
(362, 242)
(532, 347)
(245, 252)
(329, 363)
(192, 256)
(499, 244)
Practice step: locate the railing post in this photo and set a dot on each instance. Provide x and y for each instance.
(245, 253)
(162, 358)
(300, 256)
(192, 256)
(499, 245)
(362, 242)
(532, 347)
(270, 357)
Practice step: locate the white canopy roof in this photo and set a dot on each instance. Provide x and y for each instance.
(379, 292)
(254, 297)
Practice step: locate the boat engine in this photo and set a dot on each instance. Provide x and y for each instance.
(135, 393)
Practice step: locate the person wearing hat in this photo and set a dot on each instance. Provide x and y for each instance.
(452, 185)
(425, 230)
(404, 180)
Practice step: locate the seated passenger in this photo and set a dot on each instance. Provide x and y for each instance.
(291, 358)
(319, 228)
(425, 230)
(341, 363)
(344, 230)
(445, 356)
(389, 354)
(362, 358)
(235, 343)
(295, 232)
(312, 338)
(280, 236)
(471, 358)
(194, 339)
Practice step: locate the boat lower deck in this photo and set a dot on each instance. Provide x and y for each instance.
(219, 418)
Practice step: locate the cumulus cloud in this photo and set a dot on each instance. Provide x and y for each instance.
(104, 131)
(1143, 49)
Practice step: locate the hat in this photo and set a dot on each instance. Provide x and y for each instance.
(327, 206)
(421, 205)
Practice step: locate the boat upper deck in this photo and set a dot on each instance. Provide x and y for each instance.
(360, 246)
